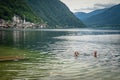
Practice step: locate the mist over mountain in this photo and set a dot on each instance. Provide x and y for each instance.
(83, 15)
(54, 13)
(104, 17)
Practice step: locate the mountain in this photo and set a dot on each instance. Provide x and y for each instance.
(83, 15)
(9, 8)
(109, 17)
(52, 12)
(55, 13)
(80, 15)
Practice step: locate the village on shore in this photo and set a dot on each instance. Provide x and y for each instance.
(18, 23)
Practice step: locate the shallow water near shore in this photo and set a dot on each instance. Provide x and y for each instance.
(51, 57)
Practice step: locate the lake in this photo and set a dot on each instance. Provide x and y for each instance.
(51, 54)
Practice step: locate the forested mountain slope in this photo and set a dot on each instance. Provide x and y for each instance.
(54, 13)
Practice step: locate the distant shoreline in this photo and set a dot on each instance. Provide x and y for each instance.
(64, 28)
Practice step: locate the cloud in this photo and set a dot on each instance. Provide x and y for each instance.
(86, 9)
(95, 7)
(104, 5)
(92, 8)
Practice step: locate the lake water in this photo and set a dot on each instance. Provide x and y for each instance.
(51, 54)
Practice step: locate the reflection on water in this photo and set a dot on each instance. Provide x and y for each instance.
(52, 57)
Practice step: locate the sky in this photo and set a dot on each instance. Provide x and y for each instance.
(89, 5)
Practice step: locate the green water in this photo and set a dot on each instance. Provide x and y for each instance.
(50, 54)
(9, 70)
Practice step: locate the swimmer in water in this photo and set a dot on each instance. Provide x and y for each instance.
(95, 54)
(76, 53)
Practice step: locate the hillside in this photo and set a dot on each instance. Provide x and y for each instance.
(55, 13)
(109, 17)
(9, 8)
(52, 12)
